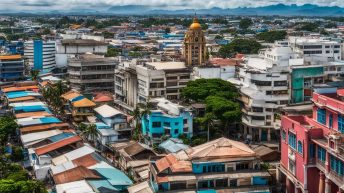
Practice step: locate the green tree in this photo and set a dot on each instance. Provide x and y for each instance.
(17, 154)
(136, 118)
(34, 74)
(243, 46)
(90, 132)
(271, 36)
(307, 26)
(112, 52)
(8, 127)
(167, 30)
(245, 23)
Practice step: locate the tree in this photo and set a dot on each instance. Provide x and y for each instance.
(8, 127)
(112, 52)
(245, 23)
(331, 25)
(271, 36)
(307, 26)
(198, 90)
(34, 74)
(167, 30)
(218, 37)
(243, 46)
(136, 118)
(90, 132)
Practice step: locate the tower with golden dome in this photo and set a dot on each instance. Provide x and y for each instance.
(194, 50)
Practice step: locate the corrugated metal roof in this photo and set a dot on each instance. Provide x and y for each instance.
(74, 187)
(102, 184)
(84, 103)
(10, 57)
(19, 94)
(36, 121)
(36, 128)
(114, 176)
(53, 146)
(77, 153)
(70, 95)
(106, 111)
(39, 135)
(75, 174)
(32, 114)
(60, 136)
(21, 99)
(21, 88)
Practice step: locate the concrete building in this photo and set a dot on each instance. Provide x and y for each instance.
(161, 79)
(168, 119)
(221, 165)
(194, 50)
(315, 46)
(312, 146)
(263, 82)
(90, 73)
(40, 55)
(11, 67)
(70, 47)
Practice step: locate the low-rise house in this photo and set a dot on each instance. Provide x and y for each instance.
(169, 119)
(221, 164)
(173, 145)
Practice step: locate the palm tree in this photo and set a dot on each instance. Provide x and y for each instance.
(136, 118)
(34, 74)
(207, 121)
(90, 132)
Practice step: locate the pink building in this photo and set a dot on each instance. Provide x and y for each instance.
(312, 148)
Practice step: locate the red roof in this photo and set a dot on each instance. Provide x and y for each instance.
(340, 92)
(53, 146)
(75, 174)
(225, 62)
(86, 161)
(100, 97)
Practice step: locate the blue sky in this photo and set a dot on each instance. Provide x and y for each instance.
(45, 5)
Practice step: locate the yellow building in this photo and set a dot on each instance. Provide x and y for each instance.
(195, 45)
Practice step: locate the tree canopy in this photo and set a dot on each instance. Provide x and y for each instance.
(243, 46)
(245, 23)
(307, 26)
(7, 128)
(271, 36)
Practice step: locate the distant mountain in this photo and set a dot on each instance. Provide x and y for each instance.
(278, 9)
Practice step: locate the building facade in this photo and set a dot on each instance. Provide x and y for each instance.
(312, 147)
(90, 73)
(11, 67)
(40, 55)
(194, 50)
(168, 119)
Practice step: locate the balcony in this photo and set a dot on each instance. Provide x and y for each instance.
(329, 102)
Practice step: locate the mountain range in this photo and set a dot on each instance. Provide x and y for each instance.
(278, 9)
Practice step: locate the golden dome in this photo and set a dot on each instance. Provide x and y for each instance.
(195, 24)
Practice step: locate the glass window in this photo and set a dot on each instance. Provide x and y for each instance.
(321, 116)
(321, 154)
(299, 147)
(340, 123)
(284, 135)
(330, 121)
(156, 124)
(337, 165)
(292, 140)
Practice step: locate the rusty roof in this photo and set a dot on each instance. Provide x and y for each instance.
(170, 161)
(32, 114)
(54, 146)
(134, 149)
(75, 174)
(37, 128)
(83, 103)
(20, 88)
(86, 161)
(70, 95)
(26, 98)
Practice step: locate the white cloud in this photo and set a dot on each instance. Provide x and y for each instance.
(175, 4)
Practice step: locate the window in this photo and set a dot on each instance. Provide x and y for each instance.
(242, 166)
(257, 109)
(176, 131)
(284, 135)
(258, 118)
(280, 83)
(167, 124)
(221, 182)
(321, 116)
(233, 183)
(292, 140)
(330, 124)
(337, 165)
(321, 154)
(299, 147)
(176, 123)
(340, 123)
(312, 150)
(156, 124)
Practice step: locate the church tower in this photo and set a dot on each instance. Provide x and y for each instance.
(195, 45)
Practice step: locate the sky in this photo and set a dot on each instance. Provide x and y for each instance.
(46, 5)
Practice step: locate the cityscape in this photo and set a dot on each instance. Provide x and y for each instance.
(179, 97)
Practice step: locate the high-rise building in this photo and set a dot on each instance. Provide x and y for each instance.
(194, 45)
(40, 55)
(11, 67)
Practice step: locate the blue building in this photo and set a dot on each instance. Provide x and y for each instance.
(15, 47)
(11, 68)
(41, 55)
(222, 164)
(169, 120)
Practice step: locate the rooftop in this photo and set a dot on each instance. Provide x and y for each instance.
(82, 42)
(10, 57)
(106, 111)
(54, 146)
(75, 174)
(166, 65)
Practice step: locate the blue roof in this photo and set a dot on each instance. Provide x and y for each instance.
(101, 184)
(46, 120)
(114, 176)
(60, 136)
(173, 145)
(17, 94)
(206, 191)
(101, 125)
(77, 98)
(34, 108)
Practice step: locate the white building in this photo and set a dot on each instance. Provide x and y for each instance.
(264, 84)
(40, 54)
(316, 46)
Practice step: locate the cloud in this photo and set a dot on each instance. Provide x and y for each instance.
(168, 4)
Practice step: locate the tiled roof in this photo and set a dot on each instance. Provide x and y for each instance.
(32, 114)
(75, 174)
(53, 146)
(43, 127)
(170, 161)
(102, 98)
(220, 148)
(84, 103)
